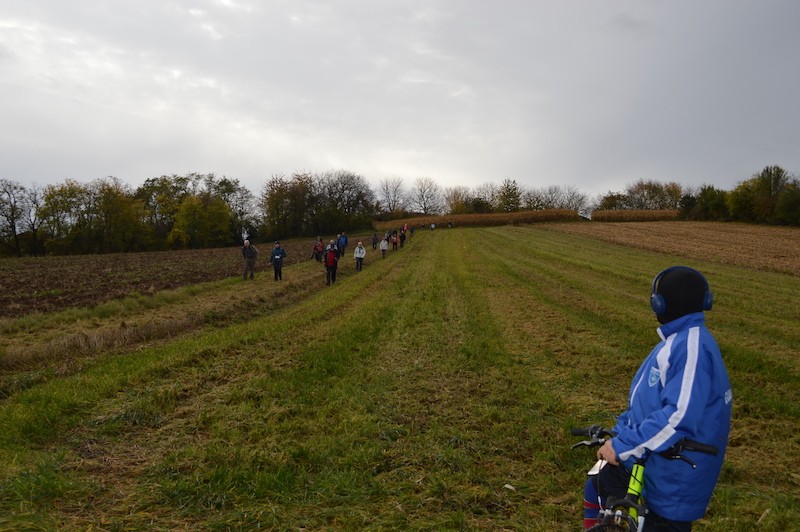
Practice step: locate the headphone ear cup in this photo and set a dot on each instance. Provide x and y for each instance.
(658, 304)
(708, 300)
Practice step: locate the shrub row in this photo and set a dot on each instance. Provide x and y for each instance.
(622, 215)
(495, 218)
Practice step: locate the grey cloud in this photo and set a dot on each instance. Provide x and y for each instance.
(588, 94)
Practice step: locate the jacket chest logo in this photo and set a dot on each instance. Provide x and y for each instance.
(655, 376)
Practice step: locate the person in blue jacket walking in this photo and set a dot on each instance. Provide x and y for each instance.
(680, 391)
(276, 260)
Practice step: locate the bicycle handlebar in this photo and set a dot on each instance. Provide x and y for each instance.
(598, 435)
(691, 445)
(595, 431)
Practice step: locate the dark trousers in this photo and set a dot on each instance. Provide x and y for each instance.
(249, 266)
(613, 480)
(278, 273)
(359, 263)
(330, 274)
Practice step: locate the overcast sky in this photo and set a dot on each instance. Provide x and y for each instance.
(594, 94)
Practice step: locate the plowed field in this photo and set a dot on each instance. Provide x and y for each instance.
(46, 284)
(759, 247)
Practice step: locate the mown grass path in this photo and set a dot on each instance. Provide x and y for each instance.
(433, 390)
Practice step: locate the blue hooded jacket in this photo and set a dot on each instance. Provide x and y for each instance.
(681, 390)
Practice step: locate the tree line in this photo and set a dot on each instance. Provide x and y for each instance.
(771, 196)
(203, 210)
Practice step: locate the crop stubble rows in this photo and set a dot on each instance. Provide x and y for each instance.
(536, 314)
(47, 284)
(759, 247)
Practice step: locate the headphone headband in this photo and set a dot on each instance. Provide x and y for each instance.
(659, 304)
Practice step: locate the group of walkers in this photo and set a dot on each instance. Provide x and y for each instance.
(329, 253)
(395, 237)
(250, 254)
(332, 252)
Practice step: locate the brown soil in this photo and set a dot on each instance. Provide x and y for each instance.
(759, 247)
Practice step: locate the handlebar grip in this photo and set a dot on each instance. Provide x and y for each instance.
(595, 431)
(691, 445)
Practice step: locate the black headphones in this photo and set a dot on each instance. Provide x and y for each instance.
(657, 302)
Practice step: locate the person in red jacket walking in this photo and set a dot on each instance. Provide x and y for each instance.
(331, 262)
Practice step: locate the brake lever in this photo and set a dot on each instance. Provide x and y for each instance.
(596, 442)
(678, 456)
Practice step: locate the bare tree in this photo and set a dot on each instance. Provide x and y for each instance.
(34, 200)
(487, 192)
(549, 197)
(555, 197)
(426, 196)
(392, 195)
(12, 212)
(574, 199)
(532, 200)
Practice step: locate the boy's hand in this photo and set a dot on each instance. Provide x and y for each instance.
(606, 452)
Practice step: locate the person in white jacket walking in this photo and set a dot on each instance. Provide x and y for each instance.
(359, 254)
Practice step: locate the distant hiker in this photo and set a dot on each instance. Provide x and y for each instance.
(278, 254)
(375, 241)
(384, 247)
(316, 251)
(342, 243)
(359, 254)
(394, 240)
(331, 262)
(250, 254)
(402, 238)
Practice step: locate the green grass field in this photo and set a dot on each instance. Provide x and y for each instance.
(432, 391)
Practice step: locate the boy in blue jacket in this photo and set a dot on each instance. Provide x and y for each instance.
(681, 391)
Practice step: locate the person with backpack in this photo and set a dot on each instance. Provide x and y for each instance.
(331, 262)
(278, 254)
(250, 254)
(384, 246)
